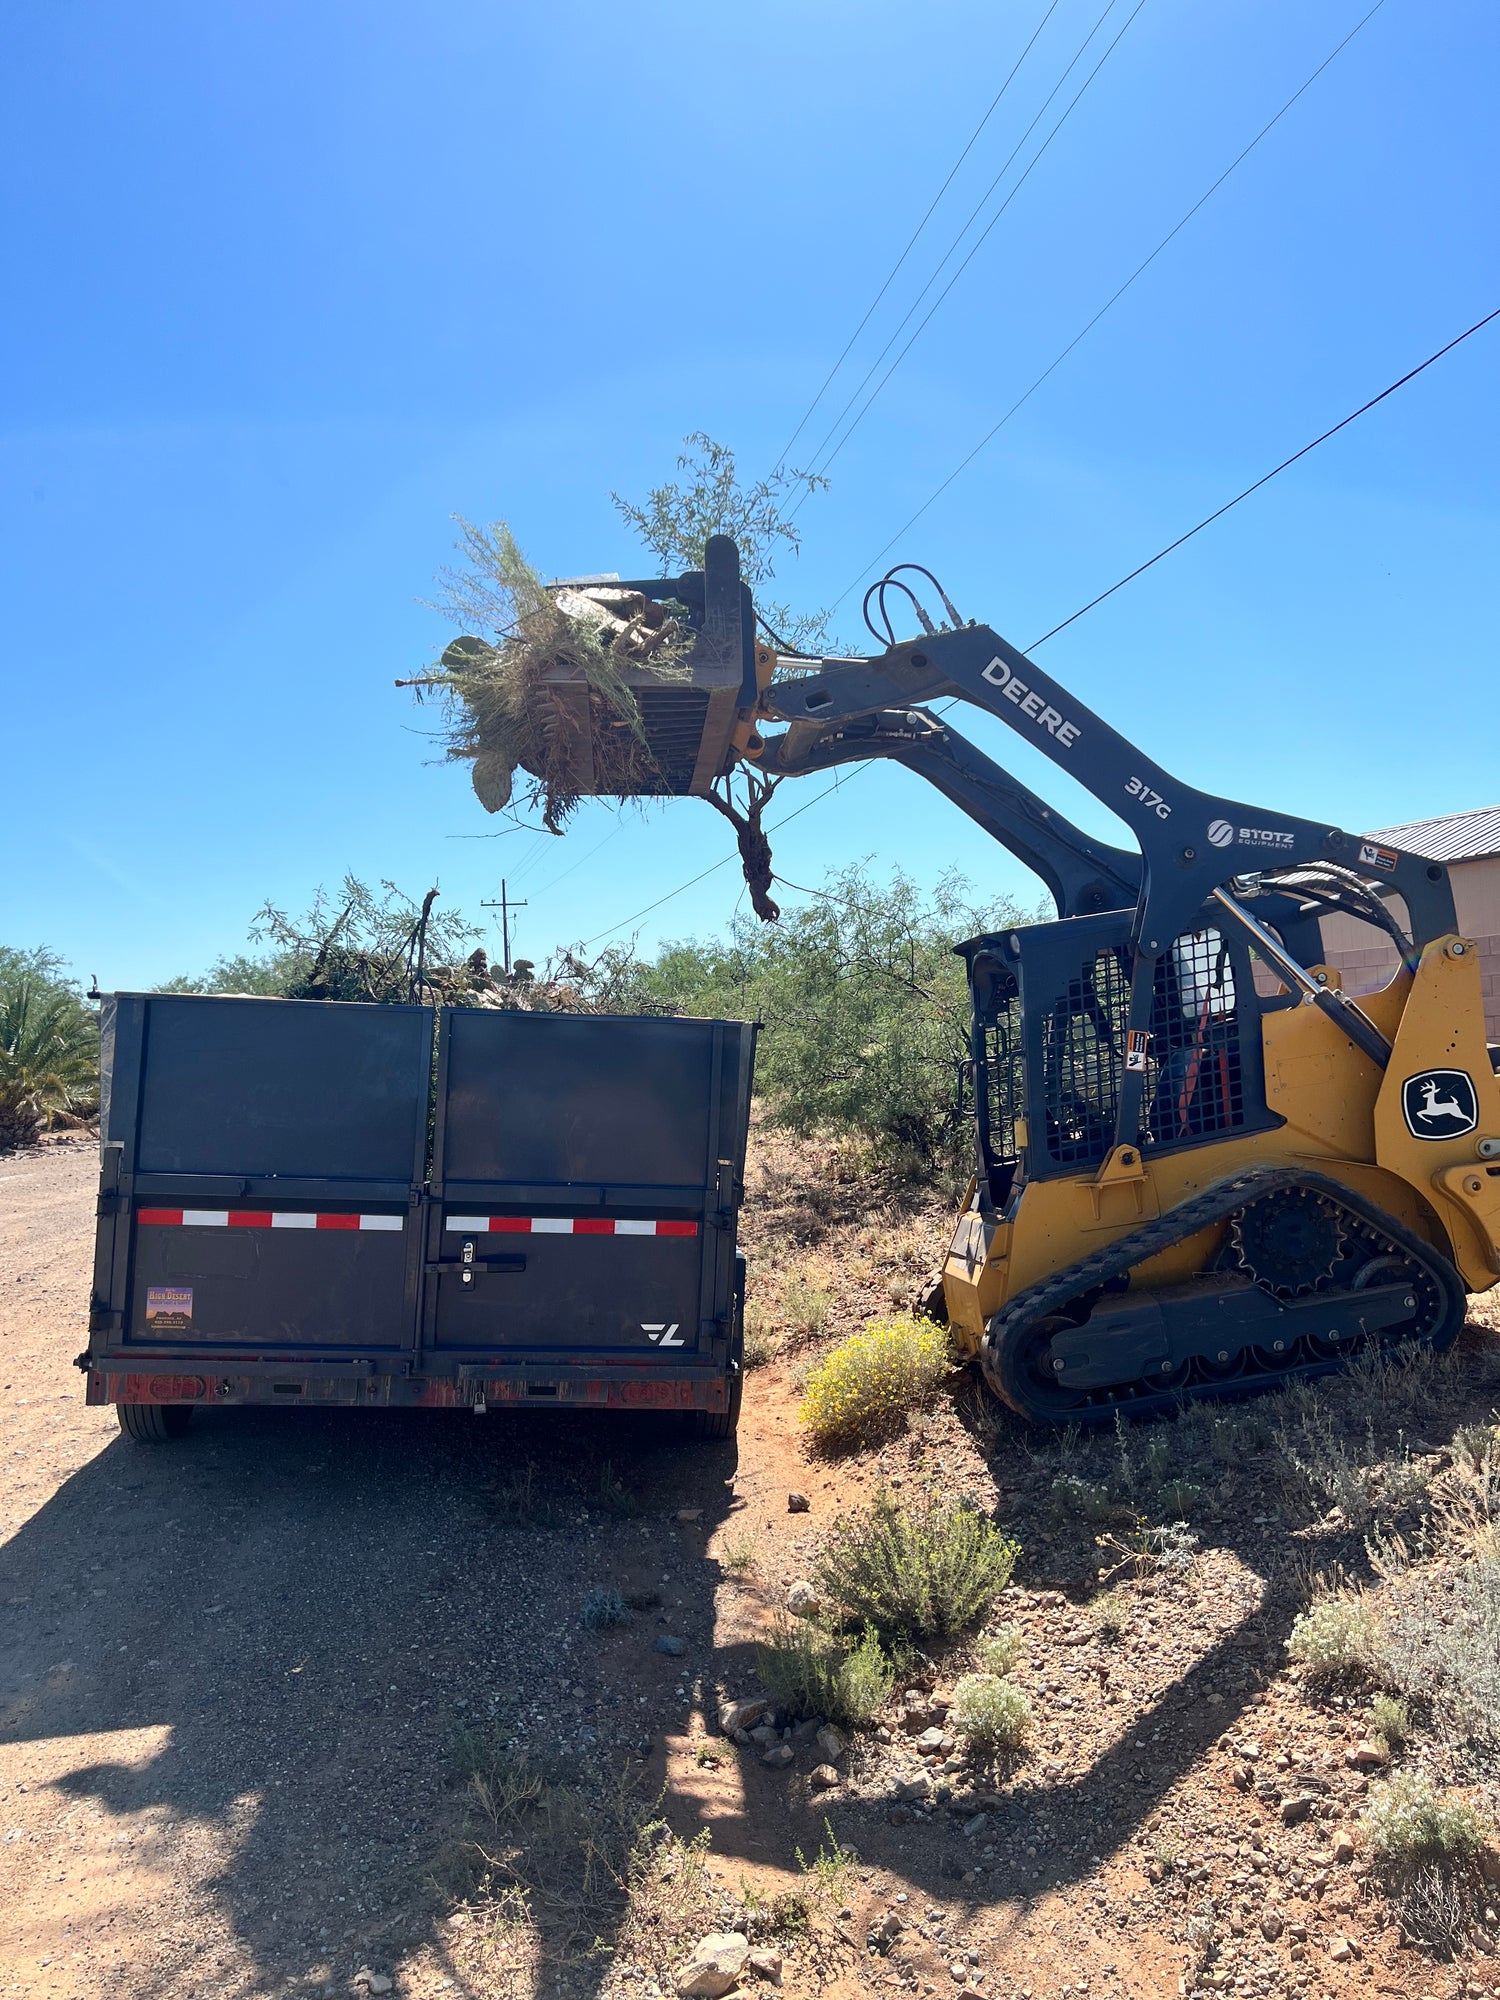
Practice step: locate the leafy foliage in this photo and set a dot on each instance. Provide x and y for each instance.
(363, 944)
(866, 1386)
(679, 516)
(864, 1004)
(49, 1045)
(923, 1573)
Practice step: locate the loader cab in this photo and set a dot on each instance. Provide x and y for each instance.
(1048, 1046)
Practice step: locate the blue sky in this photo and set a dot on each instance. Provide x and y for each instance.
(290, 285)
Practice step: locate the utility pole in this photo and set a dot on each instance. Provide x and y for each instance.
(505, 905)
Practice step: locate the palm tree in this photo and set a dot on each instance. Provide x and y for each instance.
(49, 1054)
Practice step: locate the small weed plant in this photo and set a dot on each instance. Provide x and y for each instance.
(1082, 1499)
(814, 1672)
(1390, 1723)
(868, 1386)
(990, 1712)
(805, 1307)
(1001, 1651)
(1335, 1638)
(602, 1608)
(922, 1573)
(1109, 1615)
(739, 1552)
(1411, 1820)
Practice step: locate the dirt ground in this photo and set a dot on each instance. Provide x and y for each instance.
(235, 1672)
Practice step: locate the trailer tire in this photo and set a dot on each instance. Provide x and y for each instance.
(154, 1423)
(724, 1423)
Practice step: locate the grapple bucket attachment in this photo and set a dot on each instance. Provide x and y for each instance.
(688, 722)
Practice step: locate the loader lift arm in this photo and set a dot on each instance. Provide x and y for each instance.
(1195, 847)
(1083, 875)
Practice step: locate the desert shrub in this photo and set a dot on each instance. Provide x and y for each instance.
(1439, 1641)
(806, 1306)
(870, 1383)
(603, 1607)
(923, 1573)
(1001, 1651)
(1084, 1499)
(1389, 1721)
(990, 1712)
(1410, 1820)
(1474, 1445)
(760, 1338)
(1178, 1498)
(814, 1672)
(1334, 1637)
(1108, 1615)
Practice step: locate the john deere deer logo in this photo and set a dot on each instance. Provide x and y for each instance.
(1440, 1104)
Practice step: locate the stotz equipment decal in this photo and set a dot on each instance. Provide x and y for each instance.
(1440, 1104)
(169, 1308)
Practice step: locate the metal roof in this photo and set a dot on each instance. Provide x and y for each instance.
(1470, 836)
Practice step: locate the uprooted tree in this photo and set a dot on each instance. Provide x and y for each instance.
(540, 667)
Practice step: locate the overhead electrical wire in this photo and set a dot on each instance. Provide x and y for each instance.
(1110, 302)
(890, 276)
(1266, 477)
(1140, 569)
(823, 463)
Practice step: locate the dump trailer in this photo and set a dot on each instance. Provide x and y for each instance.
(312, 1201)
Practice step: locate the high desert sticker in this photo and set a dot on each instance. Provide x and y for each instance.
(169, 1308)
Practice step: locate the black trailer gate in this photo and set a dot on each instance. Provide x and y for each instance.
(298, 1201)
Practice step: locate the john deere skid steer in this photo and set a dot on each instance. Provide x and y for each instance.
(1200, 1167)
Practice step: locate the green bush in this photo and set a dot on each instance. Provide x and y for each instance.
(1334, 1637)
(869, 1384)
(813, 1672)
(990, 1712)
(865, 1007)
(1409, 1820)
(922, 1574)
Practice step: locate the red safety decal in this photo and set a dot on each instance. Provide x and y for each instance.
(563, 1225)
(263, 1218)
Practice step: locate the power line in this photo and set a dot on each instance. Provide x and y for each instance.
(911, 240)
(1109, 303)
(714, 867)
(1265, 478)
(973, 250)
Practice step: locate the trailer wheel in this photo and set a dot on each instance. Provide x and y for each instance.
(154, 1423)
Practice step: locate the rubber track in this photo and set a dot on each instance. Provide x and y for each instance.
(1012, 1323)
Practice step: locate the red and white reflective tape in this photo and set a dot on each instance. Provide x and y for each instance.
(262, 1218)
(563, 1225)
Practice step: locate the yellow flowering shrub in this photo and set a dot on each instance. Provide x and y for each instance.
(866, 1386)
